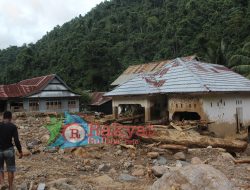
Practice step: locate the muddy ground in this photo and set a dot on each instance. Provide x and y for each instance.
(111, 167)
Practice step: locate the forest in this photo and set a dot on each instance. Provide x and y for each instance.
(90, 51)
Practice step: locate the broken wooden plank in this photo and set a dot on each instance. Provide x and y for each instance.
(174, 147)
(176, 126)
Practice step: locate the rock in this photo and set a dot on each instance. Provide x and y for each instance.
(127, 177)
(153, 155)
(118, 153)
(180, 156)
(26, 152)
(199, 176)
(33, 143)
(209, 147)
(23, 186)
(160, 161)
(61, 184)
(138, 172)
(104, 167)
(158, 171)
(178, 164)
(81, 152)
(59, 181)
(128, 164)
(103, 180)
(196, 160)
(61, 151)
(41, 186)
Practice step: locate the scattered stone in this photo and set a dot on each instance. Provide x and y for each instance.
(118, 153)
(128, 164)
(127, 177)
(23, 186)
(104, 167)
(81, 152)
(180, 156)
(178, 164)
(26, 152)
(198, 176)
(45, 138)
(158, 171)
(41, 186)
(209, 147)
(196, 160)
(160, 161)
(153, 155)
(103, 180)
(138, 172)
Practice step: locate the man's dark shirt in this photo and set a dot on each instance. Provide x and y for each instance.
(7, 132)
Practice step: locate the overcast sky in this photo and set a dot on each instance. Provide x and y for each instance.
(26, 21)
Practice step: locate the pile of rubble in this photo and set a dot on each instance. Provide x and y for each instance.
(156, 164)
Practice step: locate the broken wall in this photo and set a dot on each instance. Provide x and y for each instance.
(185, 103)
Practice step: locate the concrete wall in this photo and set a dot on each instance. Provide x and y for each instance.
(222, 110)
(184, 103)
(219, 109)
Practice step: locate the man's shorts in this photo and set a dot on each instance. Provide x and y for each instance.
(8, 157)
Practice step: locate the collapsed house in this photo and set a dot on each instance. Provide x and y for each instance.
(41, 94)
(185, 89)
(100, 103)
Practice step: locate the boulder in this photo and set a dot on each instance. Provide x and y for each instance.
(196, 160)
(104, 167)
(180, 156)
(127, 177)
(103, 180)
(138, 172)
(158, 171)
(199, 176)
(160, 161)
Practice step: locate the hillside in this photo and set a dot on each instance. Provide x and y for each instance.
(90, 51)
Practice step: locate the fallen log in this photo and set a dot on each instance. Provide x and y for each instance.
(243, 161)
(193, 139)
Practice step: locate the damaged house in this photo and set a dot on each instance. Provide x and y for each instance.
(41, 94)
(185, 89)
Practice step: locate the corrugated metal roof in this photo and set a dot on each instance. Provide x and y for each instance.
(26, 87)
(98, 98)
(134, 70)
(185, 76)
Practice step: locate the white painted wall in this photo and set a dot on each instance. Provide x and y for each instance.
(222, 109)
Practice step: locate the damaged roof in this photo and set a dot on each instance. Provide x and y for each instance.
(98, 98)
(134, 70)
(27, 87)
(184, 76)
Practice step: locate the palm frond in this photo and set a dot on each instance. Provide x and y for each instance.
(239, 60)
(246, 47)
(242, 69)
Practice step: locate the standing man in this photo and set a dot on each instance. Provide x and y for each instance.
(8, 132)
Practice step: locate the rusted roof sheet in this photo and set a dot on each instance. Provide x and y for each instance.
(185, 76)
(25, 87)
(134, 70)
(98, 98)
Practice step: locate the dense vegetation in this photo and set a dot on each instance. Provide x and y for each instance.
(90, 52)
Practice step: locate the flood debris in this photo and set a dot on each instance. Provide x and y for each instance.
(137, 167)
